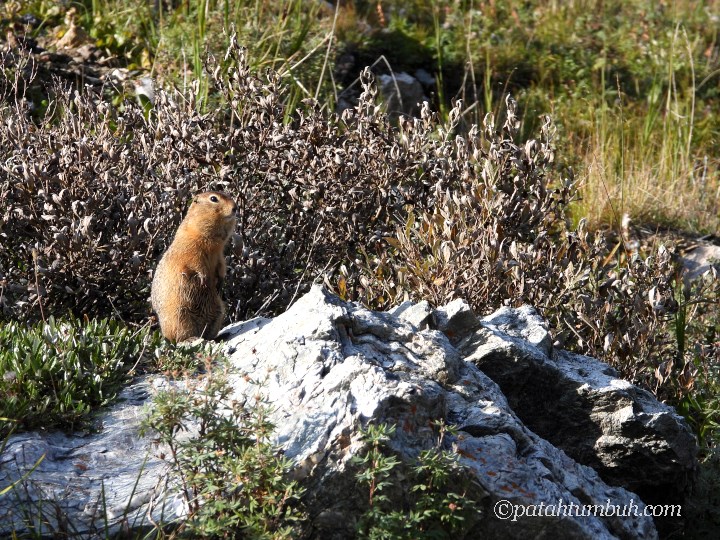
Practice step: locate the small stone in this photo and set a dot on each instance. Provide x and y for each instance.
(700, 260)
(523, 323)
(402, 93)
(418, 315)
(456, 320)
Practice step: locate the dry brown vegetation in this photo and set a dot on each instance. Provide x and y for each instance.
(91, 195)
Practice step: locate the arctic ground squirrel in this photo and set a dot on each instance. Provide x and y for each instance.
(185, 290)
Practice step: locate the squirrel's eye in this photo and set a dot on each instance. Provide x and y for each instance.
(213, 198)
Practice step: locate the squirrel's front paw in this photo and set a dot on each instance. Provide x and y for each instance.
(200, 276)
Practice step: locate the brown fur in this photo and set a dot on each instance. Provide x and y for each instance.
(186, 286)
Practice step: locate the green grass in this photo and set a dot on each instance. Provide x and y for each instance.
(632, 86)
(288, 36)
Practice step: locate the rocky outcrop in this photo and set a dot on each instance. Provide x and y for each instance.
(80, 480)
(581, 406)
(327, 367)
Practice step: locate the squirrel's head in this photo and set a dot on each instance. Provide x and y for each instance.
(213, 213)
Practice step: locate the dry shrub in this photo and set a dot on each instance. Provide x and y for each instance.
(86, 202)
(91, 195)
(498, 233)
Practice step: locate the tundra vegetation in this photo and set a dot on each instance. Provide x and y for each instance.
(557, 134)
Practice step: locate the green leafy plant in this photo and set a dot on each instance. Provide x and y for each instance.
(56, 373)
(232, 481)
(432, 507)
(178, 360)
